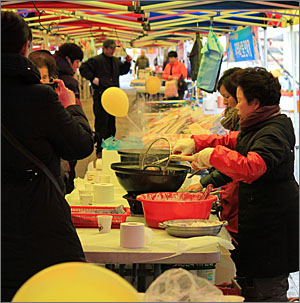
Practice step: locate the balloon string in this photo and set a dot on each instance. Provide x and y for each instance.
(134, 123)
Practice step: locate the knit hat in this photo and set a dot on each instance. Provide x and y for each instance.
(110, 43)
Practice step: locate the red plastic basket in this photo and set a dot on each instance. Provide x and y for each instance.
(174, 205)
(86, 216)
(230, 288)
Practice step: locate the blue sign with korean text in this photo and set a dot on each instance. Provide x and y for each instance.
(243, 45)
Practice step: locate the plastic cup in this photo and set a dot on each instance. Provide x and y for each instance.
(104, 223)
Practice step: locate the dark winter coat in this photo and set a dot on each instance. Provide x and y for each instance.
(65, 73)
(37, 230)
(269, 207)
(268, 217)
(195, 57)
(107, 69)
(141, 63)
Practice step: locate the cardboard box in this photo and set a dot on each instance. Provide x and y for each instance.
(225, 269)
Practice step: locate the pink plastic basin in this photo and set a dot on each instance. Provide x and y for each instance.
(164, 206)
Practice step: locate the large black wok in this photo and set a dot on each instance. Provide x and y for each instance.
(139, 181)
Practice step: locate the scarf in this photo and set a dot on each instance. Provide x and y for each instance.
(230, 119)
(259, 115)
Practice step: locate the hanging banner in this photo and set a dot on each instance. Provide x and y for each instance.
(243, 45)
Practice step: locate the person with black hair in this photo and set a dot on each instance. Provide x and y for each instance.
(261, 158)
(68, 57)
(229, 196)
(104, 71)
(174, 70)
(36, 226)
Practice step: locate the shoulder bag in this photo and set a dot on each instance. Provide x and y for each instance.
(182, 85)
(22, 149)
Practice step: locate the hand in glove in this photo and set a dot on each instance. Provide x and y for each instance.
(201, 159)
(184, 146)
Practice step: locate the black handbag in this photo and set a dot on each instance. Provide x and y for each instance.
(21, 148)
(182, 85)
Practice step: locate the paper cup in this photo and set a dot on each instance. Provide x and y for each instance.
(104, 179)
(104, 223)
(89, 186)
(91, 176)
(86, 199)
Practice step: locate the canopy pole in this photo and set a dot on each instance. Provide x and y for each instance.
(46, 40)
(296, 124)
(265, 49)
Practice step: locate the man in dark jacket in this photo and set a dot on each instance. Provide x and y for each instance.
(36, 226)
(141, 62)
(68, 58)
(103, 71)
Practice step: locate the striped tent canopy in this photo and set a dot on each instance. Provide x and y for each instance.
(147, 23)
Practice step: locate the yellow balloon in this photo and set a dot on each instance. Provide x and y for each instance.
(115, 101)
(76, 282)
(152, 85)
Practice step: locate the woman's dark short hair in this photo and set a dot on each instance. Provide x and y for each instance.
(172, 54)
(226, 80)
(71, 50)
(15, 32)
(43, 58)
(257, 82)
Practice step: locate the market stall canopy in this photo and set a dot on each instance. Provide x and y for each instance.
(148, 23)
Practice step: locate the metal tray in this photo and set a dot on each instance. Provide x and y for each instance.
(182, 228)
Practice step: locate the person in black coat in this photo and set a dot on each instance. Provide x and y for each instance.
(103, 71)
(68, 58)
(261, 158)
(36, 226)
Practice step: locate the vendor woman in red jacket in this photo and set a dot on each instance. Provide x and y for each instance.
(173, 70)
(261, 158)
(229, 197)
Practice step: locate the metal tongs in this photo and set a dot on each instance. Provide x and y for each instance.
(174, 158)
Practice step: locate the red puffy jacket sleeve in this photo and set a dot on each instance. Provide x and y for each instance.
(203, 141)
(238, 167)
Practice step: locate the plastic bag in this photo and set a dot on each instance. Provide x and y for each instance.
(179, 285)
(210, 63)
(171, 89)
(131, 142)
(111, 143)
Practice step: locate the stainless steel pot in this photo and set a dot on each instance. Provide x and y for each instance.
(184, 229)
